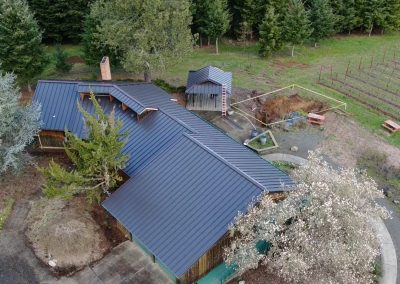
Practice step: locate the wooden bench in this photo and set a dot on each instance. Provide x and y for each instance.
(315, 118)
(391, 126)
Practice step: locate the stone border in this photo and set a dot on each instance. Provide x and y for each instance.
(285, 158)
(262, 151)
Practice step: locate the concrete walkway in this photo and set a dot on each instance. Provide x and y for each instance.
(389, 259)
(286, 158)
(126, 263)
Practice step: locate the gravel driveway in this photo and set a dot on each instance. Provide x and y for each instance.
(18, 264)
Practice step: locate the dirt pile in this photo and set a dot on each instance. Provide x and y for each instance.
(278, 108)
(64, 234)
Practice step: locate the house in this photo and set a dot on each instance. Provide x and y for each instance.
(187, 179)
(208, 89)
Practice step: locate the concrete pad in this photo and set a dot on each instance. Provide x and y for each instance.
(126, 263)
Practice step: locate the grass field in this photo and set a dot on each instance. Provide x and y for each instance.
(253, 73)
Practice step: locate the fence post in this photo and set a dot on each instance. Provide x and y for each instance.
(372, 61)
(347, 71)
(320, 72)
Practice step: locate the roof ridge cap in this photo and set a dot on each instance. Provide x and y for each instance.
(131, 96)
(59, 81)
(233, 167)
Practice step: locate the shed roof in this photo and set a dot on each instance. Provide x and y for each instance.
(203, 79)
(188, 179)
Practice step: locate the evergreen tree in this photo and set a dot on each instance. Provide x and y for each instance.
(322, 19)
(61, 20)
(389, 17)
(21, 51)
(61, 64)
(217, 20)
(296, 26)
(200, 9)
(243, 11)
(270, 33)
(372, 14)
(97, 159)
(280, 7)
(18, 124)
(349, 18)
(149, 34)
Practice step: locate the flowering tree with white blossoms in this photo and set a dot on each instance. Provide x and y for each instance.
(320, 233)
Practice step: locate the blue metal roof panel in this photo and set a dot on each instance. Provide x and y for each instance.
(238, 155)
(210, 74)
(179, 164)
(58, 103)
(204, 89)
(181, 203)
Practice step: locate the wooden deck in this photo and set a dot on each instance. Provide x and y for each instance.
(204, 103)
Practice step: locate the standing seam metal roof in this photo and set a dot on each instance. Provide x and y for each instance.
(207, 80)
(188, 180)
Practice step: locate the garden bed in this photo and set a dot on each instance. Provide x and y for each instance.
(256, 145)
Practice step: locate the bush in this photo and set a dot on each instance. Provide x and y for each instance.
(61, 64)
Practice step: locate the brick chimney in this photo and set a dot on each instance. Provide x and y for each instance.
(105, 69)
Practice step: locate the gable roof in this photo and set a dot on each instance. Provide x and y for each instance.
(187, 180)
(208, 80)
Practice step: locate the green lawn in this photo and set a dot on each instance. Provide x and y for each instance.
(254, 73)
(6, 211)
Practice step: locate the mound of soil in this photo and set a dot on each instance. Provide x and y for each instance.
(65, 233)
(278, 108)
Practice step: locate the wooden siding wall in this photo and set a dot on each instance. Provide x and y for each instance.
(52, 139)
(207, 262)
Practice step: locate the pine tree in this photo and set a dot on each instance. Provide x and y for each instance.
(149, 34)
(217, 20)
(243, 11)
(21, 51)
(61, 64)
(390, 15)
(18, 124)
(61, 20)
(270, 34)
(296, 27)
(97, 159)
(372, 15)
(349, 18)
(322, 20)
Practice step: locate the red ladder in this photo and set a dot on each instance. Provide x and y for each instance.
(224, 100)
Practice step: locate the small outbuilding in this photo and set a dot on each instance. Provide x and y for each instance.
(209, 89)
